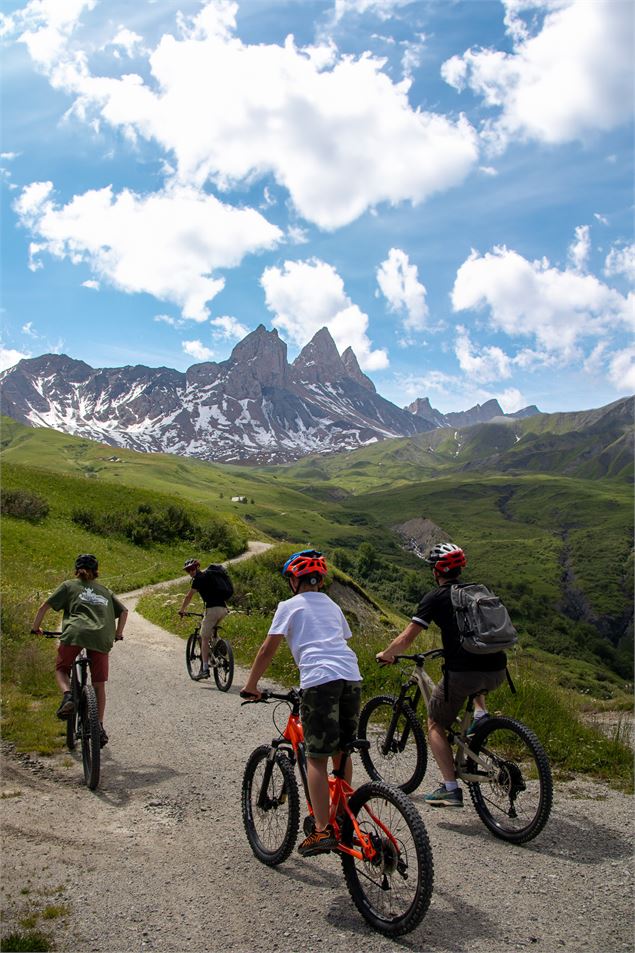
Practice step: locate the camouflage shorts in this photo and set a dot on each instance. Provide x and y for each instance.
(330, 714)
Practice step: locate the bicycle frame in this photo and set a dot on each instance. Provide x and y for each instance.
(291, 740)
(456, 736)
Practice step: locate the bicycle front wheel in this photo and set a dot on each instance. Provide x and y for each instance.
(270, 805)
(223, 665)
(193, 657)
(89, 736)
(398, 753)
(514, 798)
(393, 888)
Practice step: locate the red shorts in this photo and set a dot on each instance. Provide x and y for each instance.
(66, 655)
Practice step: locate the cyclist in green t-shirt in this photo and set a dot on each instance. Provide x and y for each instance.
(93, 619)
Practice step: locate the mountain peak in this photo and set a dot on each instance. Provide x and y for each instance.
(262, 355)
(350, 363)
(319, 361)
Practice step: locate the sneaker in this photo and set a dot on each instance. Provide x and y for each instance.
(204, 673)
(67, 706)
(475, 724)
(103, 737)
(318, 842)
(444, 798)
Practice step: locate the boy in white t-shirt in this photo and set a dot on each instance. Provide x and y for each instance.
(317, 632)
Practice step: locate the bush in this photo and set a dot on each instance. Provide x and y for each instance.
(33, 941)
(24, 505)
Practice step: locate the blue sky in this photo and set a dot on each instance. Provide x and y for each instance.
(447, 186)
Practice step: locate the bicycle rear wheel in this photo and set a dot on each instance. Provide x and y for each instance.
(392, 891)
(71, 732)
(270, 805)
(89, 736)
(514, 799)
(223, 656)
(398, 753)
(193, 657)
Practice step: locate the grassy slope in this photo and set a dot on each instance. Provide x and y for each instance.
(511, 526)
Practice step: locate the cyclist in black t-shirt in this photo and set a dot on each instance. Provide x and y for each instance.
(464, 674)
(215, 607)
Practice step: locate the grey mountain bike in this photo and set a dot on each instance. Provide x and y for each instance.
(502, 762)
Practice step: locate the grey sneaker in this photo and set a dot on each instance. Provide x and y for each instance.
(444, 798)
(67, 706)
(476, 724)
(204, 673)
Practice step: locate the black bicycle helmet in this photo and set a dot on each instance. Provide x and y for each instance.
(87, 561)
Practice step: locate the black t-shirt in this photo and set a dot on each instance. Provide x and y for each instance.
(205, 585)
(436, 606)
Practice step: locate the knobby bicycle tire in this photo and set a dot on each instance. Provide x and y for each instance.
(223, 655)
(515, 803)
(401, 759)
(89, 736)
(271, 828)
(393, 891)
(71, 732)
(193, 657)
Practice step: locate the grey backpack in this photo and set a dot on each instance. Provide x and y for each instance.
(482, 619)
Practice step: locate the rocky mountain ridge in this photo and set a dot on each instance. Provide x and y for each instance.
(255, 407)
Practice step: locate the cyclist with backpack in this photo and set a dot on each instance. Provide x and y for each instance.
(94, 619)
(214, 587)
(317, 633)
(466, 672)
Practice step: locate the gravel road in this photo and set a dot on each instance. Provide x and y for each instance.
(157, 859)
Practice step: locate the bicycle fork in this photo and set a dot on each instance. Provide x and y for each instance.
(389, 745)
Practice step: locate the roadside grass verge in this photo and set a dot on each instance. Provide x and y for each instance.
(37, 556)
(551, 711)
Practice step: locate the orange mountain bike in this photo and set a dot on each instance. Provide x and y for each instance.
(383, 844)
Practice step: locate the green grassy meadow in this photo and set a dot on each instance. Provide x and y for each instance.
(534, 538)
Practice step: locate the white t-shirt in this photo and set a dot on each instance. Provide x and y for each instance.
(316, 631)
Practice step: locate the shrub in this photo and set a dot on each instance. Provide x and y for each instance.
(24, 505)
(32, 942)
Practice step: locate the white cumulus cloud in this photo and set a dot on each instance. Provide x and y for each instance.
(198, 351)
(533, 299)
(382, 8)
(580, 248)
(483, 364)
(622, 370)
(9, 357)
(621, 261)
(229, 328)
(167, 244)
(399, 282)
(335, 131)
(308, 295)
(571, 77)
(45, 27)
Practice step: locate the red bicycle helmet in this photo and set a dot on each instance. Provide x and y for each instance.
(304, 563)
(444, 557)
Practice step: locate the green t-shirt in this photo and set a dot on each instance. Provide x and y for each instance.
(90, 611)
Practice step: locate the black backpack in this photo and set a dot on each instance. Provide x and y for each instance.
(219, 577)
(482, 619)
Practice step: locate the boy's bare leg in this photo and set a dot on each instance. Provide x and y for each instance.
(318, 778)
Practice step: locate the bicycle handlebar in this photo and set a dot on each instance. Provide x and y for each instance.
(418, 658)
(47, 633)
(266, 695)
(198, 615)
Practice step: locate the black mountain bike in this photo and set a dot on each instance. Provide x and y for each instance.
(221, 656)
(83, 724)
(502, 762)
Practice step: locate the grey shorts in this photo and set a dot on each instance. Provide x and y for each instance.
(460, 686)
(329, 715)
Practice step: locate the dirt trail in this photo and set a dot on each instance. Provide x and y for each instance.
(157, 858)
